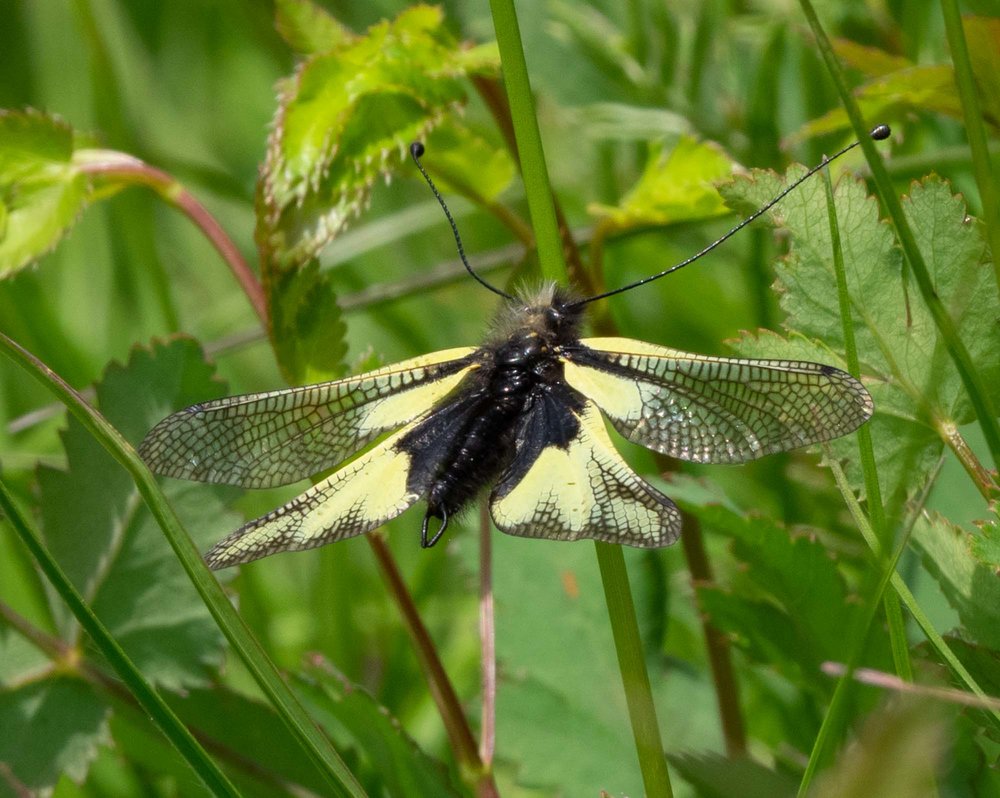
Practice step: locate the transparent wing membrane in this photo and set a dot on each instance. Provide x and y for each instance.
(711, 409)
(357, 498)
(268, 439)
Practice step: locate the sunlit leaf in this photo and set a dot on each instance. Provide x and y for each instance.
(42, 193)
(346, 118)
(308, 28)
(677, 185)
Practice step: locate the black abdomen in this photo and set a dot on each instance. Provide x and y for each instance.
(464, 445)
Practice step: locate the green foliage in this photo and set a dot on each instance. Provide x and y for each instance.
(643, 109)
(42, 191)
(914, 384)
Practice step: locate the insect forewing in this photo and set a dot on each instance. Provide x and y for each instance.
(579, 488)
(714, 409)
(267, 439)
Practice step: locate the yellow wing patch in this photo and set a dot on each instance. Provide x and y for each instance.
(586, 490)
(357, 498)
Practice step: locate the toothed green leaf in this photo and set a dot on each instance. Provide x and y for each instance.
(346, 118)
(42, 192)
(965, 568)
(96, 526)
(911, 378)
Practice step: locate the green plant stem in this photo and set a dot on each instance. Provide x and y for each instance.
(161, 714)
(632, 664)
(906, 597)
(873, 491)
(303, 728)
(621, 610)
(979, 397)
(975, 130)
(529, 140)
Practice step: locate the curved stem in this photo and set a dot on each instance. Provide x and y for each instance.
(456, 725)
(126, 169)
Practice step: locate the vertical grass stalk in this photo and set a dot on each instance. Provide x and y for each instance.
(625, 628)
(979, 397)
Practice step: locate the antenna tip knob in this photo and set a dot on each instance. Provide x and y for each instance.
(881, 132)
(417, 149)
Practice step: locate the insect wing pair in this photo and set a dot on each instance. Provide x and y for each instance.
(523, 414)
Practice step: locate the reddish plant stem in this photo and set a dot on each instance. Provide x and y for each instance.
(487, 639)
(124, 168)
(456, 725)
(719, 659)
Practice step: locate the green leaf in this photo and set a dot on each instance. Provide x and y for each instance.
(309, 28)
(553, 636)
(968, 579)
(395, 763)
(346, 118)
(42, 193)
(910, 376)
(307, 331)
(715, 776)
(896, 756)
(787, 605)
(51, 728)
(111, 548)
(677, 185)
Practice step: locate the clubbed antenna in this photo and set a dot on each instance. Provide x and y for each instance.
(879, 133)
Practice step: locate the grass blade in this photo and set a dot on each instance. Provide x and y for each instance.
(316, 745)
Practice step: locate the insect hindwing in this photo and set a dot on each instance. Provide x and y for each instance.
(579, 488)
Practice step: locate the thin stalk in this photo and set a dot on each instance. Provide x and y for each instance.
(975, 130)
(487, 639)
(979, 397)
(625, 628)
(887, 681)
(632, 664)
(529, 140)
(315, 744)
(719, 656)
(873, 492)
(126, 169)
(154, 706)
(906, 597)
(455, 723)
